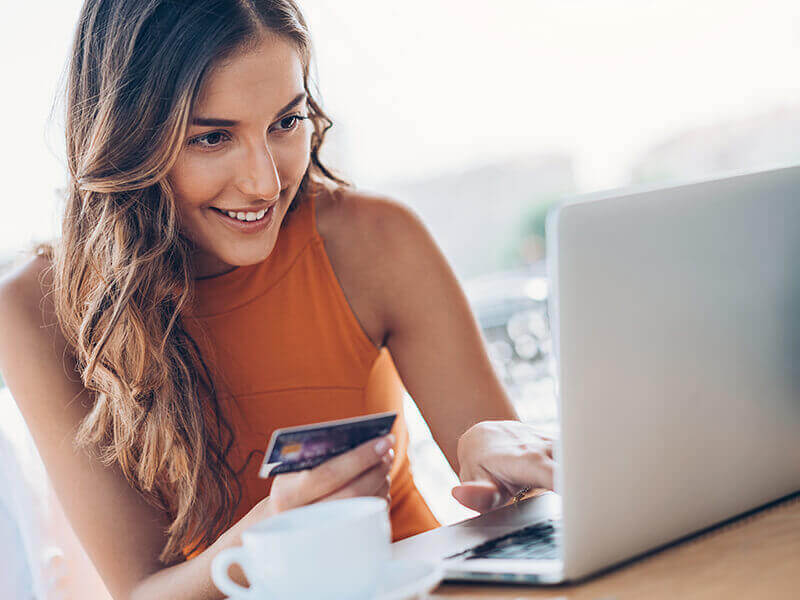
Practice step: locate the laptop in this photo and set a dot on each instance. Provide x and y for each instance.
(676, 324)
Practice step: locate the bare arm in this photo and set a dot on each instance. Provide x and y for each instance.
(423, 317)
(75, 575)
(122, 534)
(436, 342)
(440, 354)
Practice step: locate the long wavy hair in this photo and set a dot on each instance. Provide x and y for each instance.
(122, 269)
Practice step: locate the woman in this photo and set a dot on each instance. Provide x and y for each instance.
(215, 281)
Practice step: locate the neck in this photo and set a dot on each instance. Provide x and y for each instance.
(205, 266)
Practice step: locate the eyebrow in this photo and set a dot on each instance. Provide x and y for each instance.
(215, 122)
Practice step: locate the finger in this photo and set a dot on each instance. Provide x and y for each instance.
(370, 483)
(337, 472)
(547, 437)
(534, 469)
(549, 449)
(541, 470)
(481, 496)
(384, 491)
(467, 473)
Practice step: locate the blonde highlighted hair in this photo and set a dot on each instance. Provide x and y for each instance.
(122, 272)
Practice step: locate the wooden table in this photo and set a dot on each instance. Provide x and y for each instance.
(755, 557)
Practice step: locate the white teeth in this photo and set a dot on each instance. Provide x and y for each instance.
(249, 216)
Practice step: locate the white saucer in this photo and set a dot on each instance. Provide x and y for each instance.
(401, 580)
(409, 579)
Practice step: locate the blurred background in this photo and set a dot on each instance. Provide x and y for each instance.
(480, 116)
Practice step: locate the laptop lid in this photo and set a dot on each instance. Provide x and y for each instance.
(676, 322)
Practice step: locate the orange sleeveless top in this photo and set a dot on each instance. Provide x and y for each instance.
(284, 348)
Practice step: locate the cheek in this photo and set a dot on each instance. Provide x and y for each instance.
(293, 160)
(196, 182)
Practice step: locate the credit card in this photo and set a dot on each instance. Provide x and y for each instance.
(306, 446)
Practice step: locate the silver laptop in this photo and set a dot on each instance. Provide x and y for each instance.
(676, 322)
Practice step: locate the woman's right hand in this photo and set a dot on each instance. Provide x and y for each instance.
(362, 471)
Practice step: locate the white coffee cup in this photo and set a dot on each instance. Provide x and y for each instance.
(335, 549)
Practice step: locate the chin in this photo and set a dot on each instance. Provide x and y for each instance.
(241, 259)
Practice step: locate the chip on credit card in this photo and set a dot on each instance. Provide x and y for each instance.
(306, 446)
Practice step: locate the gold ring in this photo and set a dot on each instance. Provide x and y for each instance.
(521, 494)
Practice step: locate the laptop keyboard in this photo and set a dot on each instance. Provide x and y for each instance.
(539, 541)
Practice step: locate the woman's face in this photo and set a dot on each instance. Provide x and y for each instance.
(245, 152)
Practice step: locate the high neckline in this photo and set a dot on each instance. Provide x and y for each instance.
(227, 276)
(216, 274)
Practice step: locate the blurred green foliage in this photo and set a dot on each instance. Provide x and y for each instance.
(531, 230)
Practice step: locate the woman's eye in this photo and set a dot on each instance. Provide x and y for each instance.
(209, 140)
(290, 122)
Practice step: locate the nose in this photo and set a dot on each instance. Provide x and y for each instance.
(259, 176)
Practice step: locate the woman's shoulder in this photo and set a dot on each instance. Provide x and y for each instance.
(374, 244)
(378, 248)
(24, 289)
(376, 220)
(29, 332)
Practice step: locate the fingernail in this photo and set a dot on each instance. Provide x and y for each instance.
(497, 499)
(383, 444)
(389, 456)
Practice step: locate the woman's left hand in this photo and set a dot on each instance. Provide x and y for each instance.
(499, 458)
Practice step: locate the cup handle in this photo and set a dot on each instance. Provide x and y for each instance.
(219, 572)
